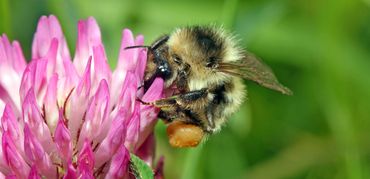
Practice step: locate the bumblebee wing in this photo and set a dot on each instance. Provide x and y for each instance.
(251, 68)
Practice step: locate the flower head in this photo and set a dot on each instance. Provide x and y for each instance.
(73, 119)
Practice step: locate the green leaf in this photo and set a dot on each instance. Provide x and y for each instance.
(140, 169)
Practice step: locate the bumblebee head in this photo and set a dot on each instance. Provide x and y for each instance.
(203, 48)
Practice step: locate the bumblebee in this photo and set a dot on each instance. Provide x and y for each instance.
(204, 67)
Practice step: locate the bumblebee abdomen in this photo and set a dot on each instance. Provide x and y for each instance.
(227, 100)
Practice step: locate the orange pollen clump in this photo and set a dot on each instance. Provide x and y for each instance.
(184, 135)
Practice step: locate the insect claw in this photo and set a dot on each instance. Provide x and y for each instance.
(141, 86)
(143, 102)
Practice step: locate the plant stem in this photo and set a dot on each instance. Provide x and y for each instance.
(191, 162)
(5, 20)
(229, 12)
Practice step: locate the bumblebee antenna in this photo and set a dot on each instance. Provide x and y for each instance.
(137, 46)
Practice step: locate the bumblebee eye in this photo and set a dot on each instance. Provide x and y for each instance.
(212, 62)
(177, 59)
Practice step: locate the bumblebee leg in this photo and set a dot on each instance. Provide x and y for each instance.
(190, 107)
(184, 115)
(210, 112)
(189, 100)
(165, 102)
(167, 116)
(182, 82)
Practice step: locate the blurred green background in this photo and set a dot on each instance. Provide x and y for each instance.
(318, 48)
